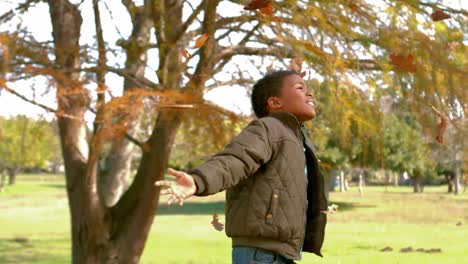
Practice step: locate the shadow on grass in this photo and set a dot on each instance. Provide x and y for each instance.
(218, 207)
(55, 185)
(23, 250)
(347, 206)
(192, 208)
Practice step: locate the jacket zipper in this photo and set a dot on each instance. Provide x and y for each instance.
(304, 224)
(304, 221)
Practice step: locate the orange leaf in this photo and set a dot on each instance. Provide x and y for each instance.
(277, 19)
(268, 9)
(201, 40)
(185, 53)
(258, 4)
(403, 63)
(439, 15)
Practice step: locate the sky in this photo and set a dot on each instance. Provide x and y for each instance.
(116, 23)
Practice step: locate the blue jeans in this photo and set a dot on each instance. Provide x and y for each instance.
(252, 255)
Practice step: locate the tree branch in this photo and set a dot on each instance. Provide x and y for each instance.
(229, 83)
(189, 21)
(20, 9)
(228, 52)
(4, 86)
(101, 67)
(24, 98)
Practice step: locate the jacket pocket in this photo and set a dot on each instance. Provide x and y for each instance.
(272, 210)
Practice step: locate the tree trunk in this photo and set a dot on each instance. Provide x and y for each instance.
(89, 219)
(333, 178)
(2, 180)
(396, 177)
(136, 209)
(361, 184)
(342, 188)
(114, 177)
(449, 179)
(12, 179)
(465, 180)
(12, 175)
(387, 179)
(465, 183)
(417, 184)
(457, 185)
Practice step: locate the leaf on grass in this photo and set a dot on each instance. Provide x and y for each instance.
(386, 249)
(406, 249)
(201, 40)
(433, 250)
(216, 224)
(296, 65)
(403, 63)
(439, 15)
(441, 127)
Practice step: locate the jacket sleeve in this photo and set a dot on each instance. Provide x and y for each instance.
(240, 158)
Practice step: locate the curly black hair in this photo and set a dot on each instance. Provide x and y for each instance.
(268, 86)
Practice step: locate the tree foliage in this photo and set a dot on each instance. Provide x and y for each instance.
(27, 143)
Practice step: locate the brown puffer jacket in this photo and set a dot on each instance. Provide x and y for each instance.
(269, 200)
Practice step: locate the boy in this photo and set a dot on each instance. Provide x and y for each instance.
(274, 188)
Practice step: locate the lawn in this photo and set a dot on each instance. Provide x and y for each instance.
(34, 227)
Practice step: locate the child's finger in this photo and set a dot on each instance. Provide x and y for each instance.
(166, 191)
(163, 183)
(175, 173)
(171, 199)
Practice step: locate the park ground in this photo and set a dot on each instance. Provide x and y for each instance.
(34, 227)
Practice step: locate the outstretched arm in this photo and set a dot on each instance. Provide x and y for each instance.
(240, 158)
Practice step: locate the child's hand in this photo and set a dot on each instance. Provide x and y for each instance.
(180, 189)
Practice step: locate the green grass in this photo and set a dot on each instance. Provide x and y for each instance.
(34, 227)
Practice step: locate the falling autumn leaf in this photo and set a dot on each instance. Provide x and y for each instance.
(441, 126)
(267, 10)
(296, 65)
(403, 63)
(216, 224)
(185, 54)
(258, 4)
(439, 15)
(277, 19)
(333, 208)
(201, 40)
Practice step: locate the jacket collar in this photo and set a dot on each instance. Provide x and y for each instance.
(291, 121)
(298, 127)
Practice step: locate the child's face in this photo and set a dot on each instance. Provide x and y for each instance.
(294, 98)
